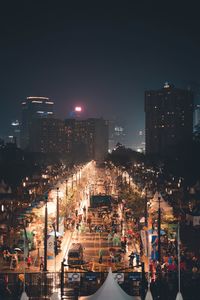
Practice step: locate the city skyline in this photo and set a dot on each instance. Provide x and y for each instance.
(100, 57)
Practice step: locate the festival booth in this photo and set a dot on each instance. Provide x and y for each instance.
(111, 290)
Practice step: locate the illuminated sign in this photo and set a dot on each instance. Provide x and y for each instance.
(74, 277)
(166, 85)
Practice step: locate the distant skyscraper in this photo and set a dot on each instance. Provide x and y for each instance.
(117, 134)
(33, 108)
(141, 142)
(168, 119)
(15, 132)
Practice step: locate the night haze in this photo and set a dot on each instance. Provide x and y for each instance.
(101, 56)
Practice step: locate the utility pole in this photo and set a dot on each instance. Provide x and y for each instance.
(159, 227)
(45, 235)
(57, 211)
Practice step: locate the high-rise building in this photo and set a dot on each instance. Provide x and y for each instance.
(196, 117)
(197, 122)
(47, 135)
(168, 119)
(33, 108)
(87, 138)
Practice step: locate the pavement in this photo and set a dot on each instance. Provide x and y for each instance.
(94, 241)
(51, 267)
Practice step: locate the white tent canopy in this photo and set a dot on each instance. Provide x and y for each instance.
(111, 290)
(24, 296)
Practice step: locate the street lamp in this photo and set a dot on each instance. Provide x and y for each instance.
(57, 211)
(66, 190)
(72, 186)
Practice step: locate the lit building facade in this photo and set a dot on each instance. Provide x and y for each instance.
(168, 119)
(88, 138)
(34, 108)
(47, 135)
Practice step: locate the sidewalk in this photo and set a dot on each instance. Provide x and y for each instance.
(5, 266)
(59, 258)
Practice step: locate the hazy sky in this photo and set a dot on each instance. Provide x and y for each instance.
(101, 54)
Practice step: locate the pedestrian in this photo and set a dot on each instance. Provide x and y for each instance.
(137, 256)
(112, 257)
(14, 261)
(132, 256)
(100, 256)
(109, 237)
(41, 263)
(29, 261)
(116, 240)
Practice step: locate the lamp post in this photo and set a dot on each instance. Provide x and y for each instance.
(159, 227)
(66, 189)
(79, 177)
(57, 211)
(72, 187)
(45, 235)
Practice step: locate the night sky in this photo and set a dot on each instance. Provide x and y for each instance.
(102, 55)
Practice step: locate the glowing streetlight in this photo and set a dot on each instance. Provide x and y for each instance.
(78, 109)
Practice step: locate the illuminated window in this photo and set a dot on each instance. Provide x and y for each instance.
(40, 112)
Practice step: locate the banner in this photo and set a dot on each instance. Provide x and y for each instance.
(154, 247)
(61, 225)
(50, 246)
(144, 238)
